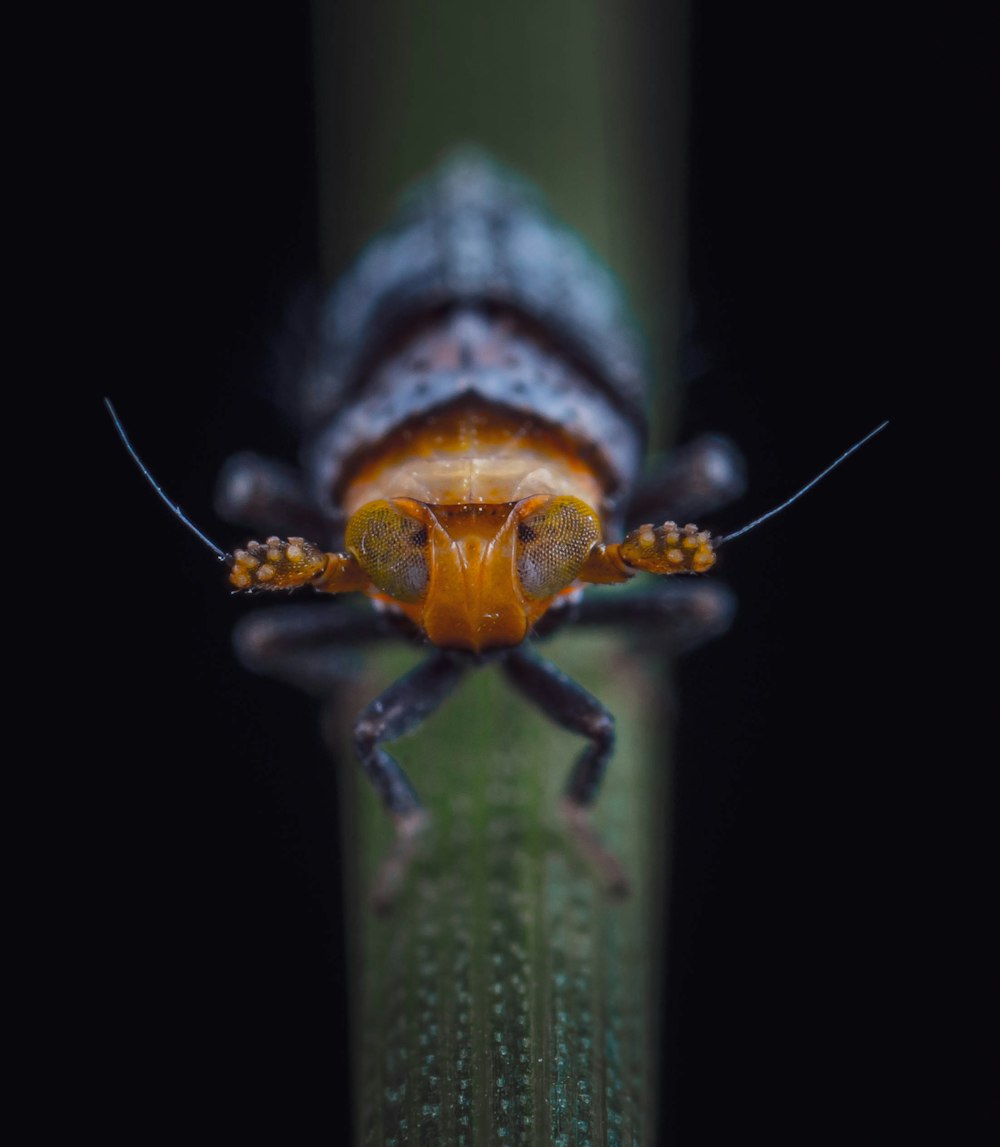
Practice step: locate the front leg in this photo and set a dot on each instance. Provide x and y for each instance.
(404, 706)
(572, 707)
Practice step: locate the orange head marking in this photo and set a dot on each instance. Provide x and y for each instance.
(473, 576)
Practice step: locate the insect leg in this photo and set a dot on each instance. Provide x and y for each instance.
(267, 495)
(692, 480)
(304, 645)
(572, 707)
(393, 714)
(674, 616)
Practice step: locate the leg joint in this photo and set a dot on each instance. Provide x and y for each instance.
(366, 735)
(599, 725)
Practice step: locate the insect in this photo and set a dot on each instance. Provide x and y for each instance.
(473, 428)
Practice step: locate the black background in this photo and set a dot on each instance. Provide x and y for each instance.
(211, 918)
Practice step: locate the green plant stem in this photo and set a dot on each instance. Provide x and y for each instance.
(507, 998)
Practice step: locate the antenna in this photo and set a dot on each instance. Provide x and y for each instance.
(173, 507)
(808, 486)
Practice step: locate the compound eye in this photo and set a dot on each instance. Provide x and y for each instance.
(552, 545)
(392, 548)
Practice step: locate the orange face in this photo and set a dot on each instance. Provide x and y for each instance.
(471, 520)
(473, 576)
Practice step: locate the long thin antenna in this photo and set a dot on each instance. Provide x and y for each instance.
(808, 486)
(174, 508)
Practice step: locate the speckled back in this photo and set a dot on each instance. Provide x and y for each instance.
(473, 236)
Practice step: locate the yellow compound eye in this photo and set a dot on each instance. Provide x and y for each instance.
(392, 548)
(552, 545)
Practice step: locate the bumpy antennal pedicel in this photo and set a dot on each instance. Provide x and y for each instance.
(798, 494)
(174, 508)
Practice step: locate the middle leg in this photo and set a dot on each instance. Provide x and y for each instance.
(672, 616)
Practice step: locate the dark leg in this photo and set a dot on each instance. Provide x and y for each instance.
(572, 707)
(399, 710)
(674, 616)
(269, 496)
(693, 480)
(406, 704)
(305, 645)
(295, 645)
